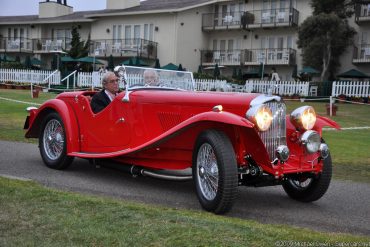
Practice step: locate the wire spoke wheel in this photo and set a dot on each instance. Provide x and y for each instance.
(215, 171)
(309, 188)
(207, 171)
(52, 143)
(53, 139)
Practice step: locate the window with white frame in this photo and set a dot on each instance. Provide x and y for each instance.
(127, 35)
(146, 32)
(134, 33)
(137, 34)
(117, 33)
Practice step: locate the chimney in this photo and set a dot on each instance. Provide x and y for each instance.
(122, 4)
(54, 9)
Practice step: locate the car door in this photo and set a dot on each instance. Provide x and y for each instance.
(107, 131)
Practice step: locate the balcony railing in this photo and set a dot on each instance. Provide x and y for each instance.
(250, 19)
(118, 47)
(226, 57)
(284, 56)
(33, 45)
(271, 56)
(124, 48)
(362, 12)
(361, 53)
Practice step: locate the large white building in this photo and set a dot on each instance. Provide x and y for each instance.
(239, 34)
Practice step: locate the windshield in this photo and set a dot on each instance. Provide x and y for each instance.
(158, 78)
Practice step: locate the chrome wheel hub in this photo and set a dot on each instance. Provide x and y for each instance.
(53, 139)
(207, 170)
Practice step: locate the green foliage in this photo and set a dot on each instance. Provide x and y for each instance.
(180, 68)
(323, 39)
(27, 62)
(235, 75)
(12, 65)
(157, 64)
(216, 71)
(240, 74)
(78, 48)
(341, 8)
(111, 63)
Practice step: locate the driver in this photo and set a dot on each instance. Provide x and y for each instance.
(151, 77)
(110, 90)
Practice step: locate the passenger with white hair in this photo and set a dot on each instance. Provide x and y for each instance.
(151, 77)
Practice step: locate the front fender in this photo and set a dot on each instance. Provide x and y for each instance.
(68, 117)
(324, 121)
(221, 117)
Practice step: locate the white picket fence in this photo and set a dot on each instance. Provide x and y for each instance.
(351, 88)
(88, 79)
(30, 76)
(281, 87)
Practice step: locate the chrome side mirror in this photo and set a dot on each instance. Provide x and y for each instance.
(120, 72)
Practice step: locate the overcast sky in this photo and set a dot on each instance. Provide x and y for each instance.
(31, 7)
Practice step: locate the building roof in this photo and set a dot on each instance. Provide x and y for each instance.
(148, 6)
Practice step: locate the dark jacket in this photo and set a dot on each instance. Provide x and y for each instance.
(99, 101)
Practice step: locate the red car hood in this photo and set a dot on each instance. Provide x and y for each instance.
(231, 102)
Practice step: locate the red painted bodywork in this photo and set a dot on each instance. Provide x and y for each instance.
(158, 129)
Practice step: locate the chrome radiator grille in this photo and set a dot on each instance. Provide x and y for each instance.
(276, 134)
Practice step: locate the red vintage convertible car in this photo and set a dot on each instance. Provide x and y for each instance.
(225, 140)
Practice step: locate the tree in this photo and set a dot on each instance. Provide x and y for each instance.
(110, 63)
(78, 48)
(235, 75)
(216, 71)
(200, 69)
(342, 8)
(54, 62)
(27, 62)
(157, 64)
(180, 68)
(325, 36)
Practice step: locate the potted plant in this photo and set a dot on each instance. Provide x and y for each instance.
(150, 49)
(209, 56)
(247, 18)
(38, 45)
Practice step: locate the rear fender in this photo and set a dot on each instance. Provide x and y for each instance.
(69, 120)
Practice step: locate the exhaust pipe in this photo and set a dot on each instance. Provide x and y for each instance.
(161, 175)
(174, 175)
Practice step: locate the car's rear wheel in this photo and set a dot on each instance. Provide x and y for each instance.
(215, 171)
(52, 143)
(306, 188)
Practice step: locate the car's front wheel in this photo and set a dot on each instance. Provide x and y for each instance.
(215, 171)
(309, 188)
(52, 143)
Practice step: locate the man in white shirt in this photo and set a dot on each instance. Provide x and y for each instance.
(110, 90)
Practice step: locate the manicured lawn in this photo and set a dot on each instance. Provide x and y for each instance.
(13, 115)
(35, 216)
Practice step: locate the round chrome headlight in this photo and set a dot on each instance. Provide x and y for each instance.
(261, 116)
(311, 139)
(303, 117)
